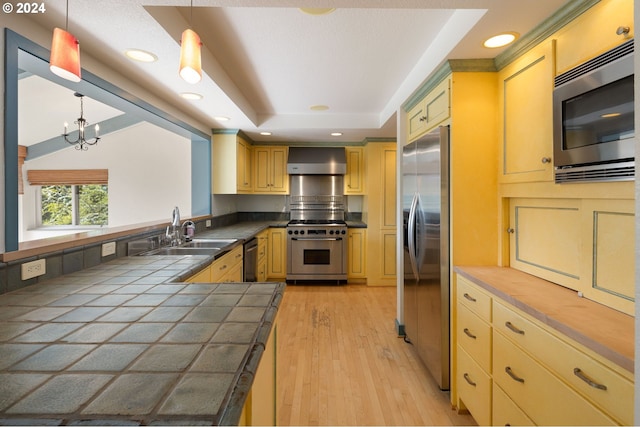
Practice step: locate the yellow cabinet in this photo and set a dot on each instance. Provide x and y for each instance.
(599, 235)
(593, 33)
(231, 164)
(354, 178)
(356, 255)
(541, 395)
(270, 170)
(260, 406)
(505, 412)
(263, 239)
(229, 267)
(277, 253)
(203, 276)
(525, 107)
(379, 212)
(434, 109)
(474, 388)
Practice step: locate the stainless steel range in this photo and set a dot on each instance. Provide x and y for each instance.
(317, 231)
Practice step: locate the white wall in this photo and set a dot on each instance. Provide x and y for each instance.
(149, 174)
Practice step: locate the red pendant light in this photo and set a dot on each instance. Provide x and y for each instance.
(65, 55)
(190, 59)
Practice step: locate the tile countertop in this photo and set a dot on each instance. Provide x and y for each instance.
(125, 343)
(605, 331)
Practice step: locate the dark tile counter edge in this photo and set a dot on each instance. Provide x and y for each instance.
(231, 409)
(599, 348)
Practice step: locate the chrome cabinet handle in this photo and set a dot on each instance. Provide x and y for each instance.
(467, 378)
(513, 328)
(468, 333)
(509, 371)
(546, 160)
(578, 373)
(469, 297)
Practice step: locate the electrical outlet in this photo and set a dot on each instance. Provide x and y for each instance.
(33, 269)
(108, 248)
(208, 223)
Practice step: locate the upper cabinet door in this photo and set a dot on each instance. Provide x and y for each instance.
(270, 166)
(593, 33)
(354, 179)
(525, 96)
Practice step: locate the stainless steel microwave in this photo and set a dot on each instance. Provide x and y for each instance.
(593, 120)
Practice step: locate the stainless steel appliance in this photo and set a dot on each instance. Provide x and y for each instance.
(317, 231)
(593, 119)
(250, 260)
(425, 205)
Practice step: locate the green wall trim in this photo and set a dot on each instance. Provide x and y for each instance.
(481, 65)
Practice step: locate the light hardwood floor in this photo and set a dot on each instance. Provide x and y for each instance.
(340, 362)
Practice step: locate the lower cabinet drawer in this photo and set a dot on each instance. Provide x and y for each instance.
(474, 388)
(507, 413)
(474, 335)
(604, 387)
(539, 393)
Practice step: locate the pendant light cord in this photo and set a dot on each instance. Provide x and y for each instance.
(66, 21)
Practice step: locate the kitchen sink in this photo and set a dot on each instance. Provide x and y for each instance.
(209, 243)
(180, 250)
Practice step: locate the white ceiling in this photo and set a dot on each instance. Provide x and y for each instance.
(265, 62)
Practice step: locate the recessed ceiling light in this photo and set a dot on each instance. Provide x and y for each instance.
(140, 55)
(319, 107)
(500, 40)
(265, 133)
(222, 118)
(336, 133)
(191, 96)
(317, 10)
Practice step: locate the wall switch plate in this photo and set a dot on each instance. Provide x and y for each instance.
(33, 269)
(108, 248)
(208, 223)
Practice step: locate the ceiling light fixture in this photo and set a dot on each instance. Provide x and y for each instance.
(265, 133)
(65, 53)
(317, 10)
(140, 55)
(190, 55)
(81, 143)
(191, 96)
(500, 40)
(222, 118)
(336, 133)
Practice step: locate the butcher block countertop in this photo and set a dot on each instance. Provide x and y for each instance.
(603, 330)
(127, 343)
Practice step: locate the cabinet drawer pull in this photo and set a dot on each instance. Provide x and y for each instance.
(469, 297)
(468, 333)
(467, 378)
(578, 373)
(512, 375)
(513, 328)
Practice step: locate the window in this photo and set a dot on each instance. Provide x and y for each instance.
(74, 205)
(72, 197)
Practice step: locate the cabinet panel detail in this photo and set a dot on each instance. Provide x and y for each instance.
(613, 256)
(547, 238)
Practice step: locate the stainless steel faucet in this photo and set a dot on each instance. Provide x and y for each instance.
(175, 237)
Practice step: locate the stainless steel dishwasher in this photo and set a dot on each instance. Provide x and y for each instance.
(250, 260)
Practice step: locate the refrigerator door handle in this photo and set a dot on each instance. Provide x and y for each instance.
(411, 235)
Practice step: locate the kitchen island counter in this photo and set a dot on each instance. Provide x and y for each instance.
(127, 343)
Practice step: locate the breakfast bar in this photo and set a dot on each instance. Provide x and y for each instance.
(128, 342)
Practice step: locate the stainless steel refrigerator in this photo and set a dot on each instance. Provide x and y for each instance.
(425, 199)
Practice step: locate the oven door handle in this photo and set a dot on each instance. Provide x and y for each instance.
(312, 239)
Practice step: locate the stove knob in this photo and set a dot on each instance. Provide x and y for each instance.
(301, 231)
(344, 231)
(295, 232)
(330, 231)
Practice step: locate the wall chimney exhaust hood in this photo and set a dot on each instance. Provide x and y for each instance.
(317, 161)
